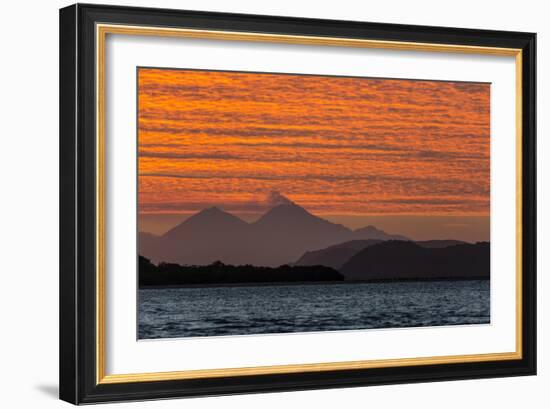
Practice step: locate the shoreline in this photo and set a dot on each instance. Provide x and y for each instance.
(302, 283)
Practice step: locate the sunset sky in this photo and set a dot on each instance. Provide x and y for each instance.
(353, 150)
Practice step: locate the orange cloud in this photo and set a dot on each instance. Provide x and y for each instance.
(335, 145)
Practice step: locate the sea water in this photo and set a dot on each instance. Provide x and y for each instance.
(215, 311)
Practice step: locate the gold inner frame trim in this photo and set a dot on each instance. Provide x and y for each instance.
(101, 33)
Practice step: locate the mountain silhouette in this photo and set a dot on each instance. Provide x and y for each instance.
(208, 222)
(371, 232)
(291, 216)
(406, 260)
(337, 255)
(280, 236)
(287, 230)
(334, 256)
(203, 238)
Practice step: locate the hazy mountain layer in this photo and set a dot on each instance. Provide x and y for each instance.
(279, 237)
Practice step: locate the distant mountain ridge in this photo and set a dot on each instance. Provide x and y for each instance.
(403, 260)
(337, 255)
(371, 232)
(280, 236)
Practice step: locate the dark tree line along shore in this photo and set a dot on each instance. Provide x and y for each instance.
(168, 274)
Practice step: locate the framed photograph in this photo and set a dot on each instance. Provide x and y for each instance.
(257, 203)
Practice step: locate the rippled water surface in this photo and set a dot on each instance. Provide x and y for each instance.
(193, 312)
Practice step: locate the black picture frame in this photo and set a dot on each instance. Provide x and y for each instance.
(78, 356)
